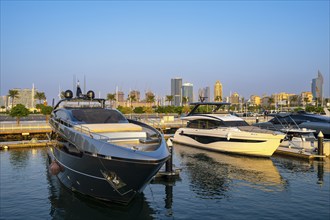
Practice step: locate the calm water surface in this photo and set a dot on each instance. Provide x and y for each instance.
(211, 186)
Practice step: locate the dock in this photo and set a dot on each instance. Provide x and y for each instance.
(23, 144)
(24, 128)
(33, 134)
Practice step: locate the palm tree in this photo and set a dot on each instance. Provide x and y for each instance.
(40, 96)
(169, 98)
(184, 100)
(218, 98)
(111, 97)
(133, 98)
(294, 99)
(271, 101)
(150, 98)
(13, 94)
(306, 99)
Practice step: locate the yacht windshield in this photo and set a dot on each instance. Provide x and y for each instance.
(211, 109)
(92, 116)
(211, 124)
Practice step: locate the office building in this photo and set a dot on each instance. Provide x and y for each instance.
(120, 96)
(234, 99)
(204, 94)
(317, 86)
(255, 100)
(25, 97)
(218, 91)
(176, 90)
(136, 95)
(187, 92)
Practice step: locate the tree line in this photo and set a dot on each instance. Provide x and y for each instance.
(18, 111)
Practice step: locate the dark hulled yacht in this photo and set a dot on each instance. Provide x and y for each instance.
(99, 152)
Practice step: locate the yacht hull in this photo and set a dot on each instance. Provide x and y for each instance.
(109, 179)
(230, 141)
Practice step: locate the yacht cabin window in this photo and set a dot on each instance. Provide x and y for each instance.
(211, 124)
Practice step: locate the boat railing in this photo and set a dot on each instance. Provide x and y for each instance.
(85, 130)
(82, 129)
(94, 135)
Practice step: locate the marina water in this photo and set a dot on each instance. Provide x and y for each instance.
(211, 186)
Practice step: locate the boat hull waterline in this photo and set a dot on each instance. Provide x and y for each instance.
(101, 178)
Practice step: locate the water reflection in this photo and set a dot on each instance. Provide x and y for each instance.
(320, 173)
(168, 185)
(297, 166)
(68, 205)
(212, 174)
(19, 158)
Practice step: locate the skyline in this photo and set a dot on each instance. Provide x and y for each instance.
(251, 47)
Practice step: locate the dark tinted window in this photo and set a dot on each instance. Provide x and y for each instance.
(62, 115)
(209, 124)
(91, 116)
(312, 118)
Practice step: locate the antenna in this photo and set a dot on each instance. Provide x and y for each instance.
(74, 82)
(84, 84)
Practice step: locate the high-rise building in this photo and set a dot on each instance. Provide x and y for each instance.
(25, 97)
(188, 92)
(234, 98)
(317, 86)
(255, 100)
(136, 95)
(218, 91)
(120, 96)
(204, 94)
(176, 90)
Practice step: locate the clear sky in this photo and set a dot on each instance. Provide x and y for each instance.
(252, 47)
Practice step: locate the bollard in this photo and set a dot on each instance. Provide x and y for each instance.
(320, 137)
(169, 165)
(257, 120)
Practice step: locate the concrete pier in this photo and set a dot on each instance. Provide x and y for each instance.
(23, 144)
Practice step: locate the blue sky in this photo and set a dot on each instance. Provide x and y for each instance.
(252, 47)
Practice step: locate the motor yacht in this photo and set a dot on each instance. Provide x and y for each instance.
(211, 127)
(299, 142)
(299, 119)
(99, 152)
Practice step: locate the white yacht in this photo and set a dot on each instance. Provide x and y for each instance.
(298, 142)
(211, 127)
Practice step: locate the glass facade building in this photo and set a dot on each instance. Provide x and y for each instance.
(176, 91)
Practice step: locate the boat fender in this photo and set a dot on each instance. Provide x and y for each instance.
(228, 136)
(54, 168)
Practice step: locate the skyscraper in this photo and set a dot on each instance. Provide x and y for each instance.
(317, 86)
(204, 94)
(218, 91)
(188, 92)
(176, 90)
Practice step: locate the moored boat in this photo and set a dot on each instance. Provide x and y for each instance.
(99, 152)
(298, 142)
(211, 127)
